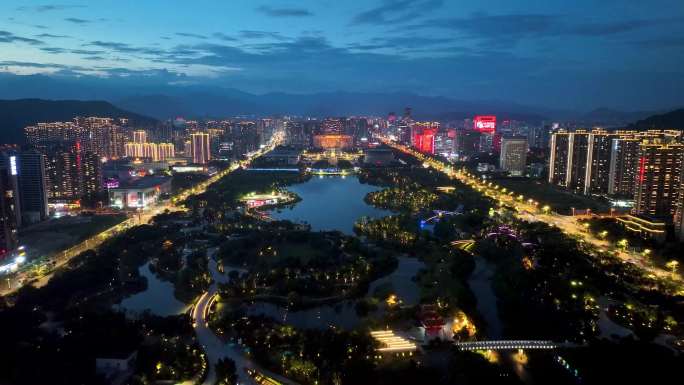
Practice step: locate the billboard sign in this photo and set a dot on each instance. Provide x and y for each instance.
(485, 123)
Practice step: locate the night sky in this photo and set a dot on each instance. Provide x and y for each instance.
(580, 54)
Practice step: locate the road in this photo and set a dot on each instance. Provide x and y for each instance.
(15, 281)
(213, 346)
(532, 211)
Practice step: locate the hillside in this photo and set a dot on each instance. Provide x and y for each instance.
(670, 120)
(17, 114)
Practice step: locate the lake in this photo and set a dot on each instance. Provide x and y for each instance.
(330, 203)
(158, 298)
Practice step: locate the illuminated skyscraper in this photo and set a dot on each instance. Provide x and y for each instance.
(423, 136)
(658, 181)
(580, 160)
(200, 148)
(513, 155)
(139, 136)
(32, 180)
(10, 215)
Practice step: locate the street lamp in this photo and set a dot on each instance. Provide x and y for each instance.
(672, 265)
(546, 209)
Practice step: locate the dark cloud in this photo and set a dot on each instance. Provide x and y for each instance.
(507, 30)
(54, 50)
(223, 36)
(76, 20)
(8, 37)
(85, 52)
(284, 12)
(393, 11)
(126, 48)
(193, 35)
(51, 36)
(49, 7)
(249, 34)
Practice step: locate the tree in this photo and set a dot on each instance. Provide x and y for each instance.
(226, 372)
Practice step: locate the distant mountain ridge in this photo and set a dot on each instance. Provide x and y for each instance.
(17, 114)
(215, 104)
(669, 120)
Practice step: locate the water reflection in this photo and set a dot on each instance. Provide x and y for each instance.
(343, 315)
(331, 203)
(158, 298)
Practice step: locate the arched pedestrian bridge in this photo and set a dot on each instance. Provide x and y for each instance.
(509, 345)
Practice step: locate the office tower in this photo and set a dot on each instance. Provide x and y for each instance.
(658, 181)
(32, 187)
(467, 143)
(200, 148)
(139, 136)
(513, 155)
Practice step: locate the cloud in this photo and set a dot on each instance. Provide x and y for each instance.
(126, 48)
(54, 50)
(8, 37)
(49, 7)
(223, 36)
(76, 20)
(51, 36)
(392, 11)
(284, 12)
(507, 30)
(249, 34)
(193, 35)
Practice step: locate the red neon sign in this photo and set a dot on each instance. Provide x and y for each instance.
(642, 169)
(485, 123)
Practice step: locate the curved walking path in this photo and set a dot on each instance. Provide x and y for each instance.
(213, 346)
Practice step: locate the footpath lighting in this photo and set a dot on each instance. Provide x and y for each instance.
(392, 343)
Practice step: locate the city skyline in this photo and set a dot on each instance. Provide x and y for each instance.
(582, 56)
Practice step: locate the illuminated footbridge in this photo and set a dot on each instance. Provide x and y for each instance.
(509, 345)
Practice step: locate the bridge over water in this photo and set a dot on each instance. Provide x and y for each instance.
(512, 345)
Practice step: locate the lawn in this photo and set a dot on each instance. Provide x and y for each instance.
(560, 201)
(58, 234)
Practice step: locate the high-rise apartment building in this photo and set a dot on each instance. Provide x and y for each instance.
(32, 186)
(513, 155)
(153, 151)
(201, 151)
(10, 213)
(658, 180)
(139, 136)
(101, 136)
(580, 160)
(559, 158)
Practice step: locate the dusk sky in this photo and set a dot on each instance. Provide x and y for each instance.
(571, 54)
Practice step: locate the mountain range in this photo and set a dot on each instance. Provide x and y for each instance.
(176, 98)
